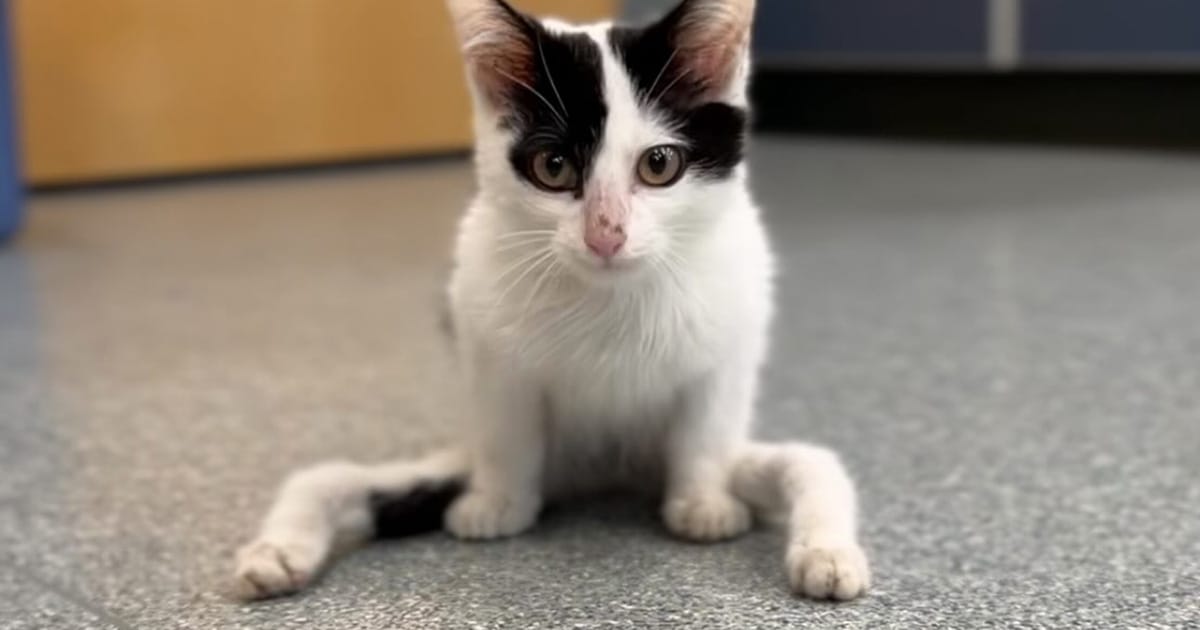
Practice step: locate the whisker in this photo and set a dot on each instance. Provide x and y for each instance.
(672, 84)
(650, 92)
(523, 233)
(535, 93)
(547, 254)
(530, 237)
(537, 286)
(533, 240)
(521, 263)
(546, 66)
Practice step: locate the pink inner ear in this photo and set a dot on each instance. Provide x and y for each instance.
(714, 67)
(499, 70)
(498, 53)
(712, 40)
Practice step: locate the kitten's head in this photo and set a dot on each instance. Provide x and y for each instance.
(616, 143)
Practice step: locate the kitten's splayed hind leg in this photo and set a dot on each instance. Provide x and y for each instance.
(338, 505)
(809, 487)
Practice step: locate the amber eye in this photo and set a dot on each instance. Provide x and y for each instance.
(661, 166)
(553, 171)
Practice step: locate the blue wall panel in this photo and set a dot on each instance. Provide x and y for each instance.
(10, 182)
(872, 28)
(1112, 29)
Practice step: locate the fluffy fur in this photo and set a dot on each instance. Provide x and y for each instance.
(589, 371)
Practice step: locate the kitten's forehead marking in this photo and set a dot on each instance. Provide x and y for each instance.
(627, 127)
(557, 27)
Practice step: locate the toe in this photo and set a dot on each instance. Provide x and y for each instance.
(264, 570)
(839, 573)
(706, 519)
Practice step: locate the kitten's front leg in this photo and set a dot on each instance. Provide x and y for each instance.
(507, 449)
(713, 419)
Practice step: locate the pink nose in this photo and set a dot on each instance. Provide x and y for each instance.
(605, 246)
(604, 237)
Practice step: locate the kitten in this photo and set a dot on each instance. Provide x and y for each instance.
(611, 300)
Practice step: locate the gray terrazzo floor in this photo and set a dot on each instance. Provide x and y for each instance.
(1004, 343)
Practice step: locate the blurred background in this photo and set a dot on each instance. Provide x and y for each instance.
(226, 225)
(131, 89)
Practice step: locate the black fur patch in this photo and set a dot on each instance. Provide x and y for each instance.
(417, 511)
(716, 132)
(568, 111)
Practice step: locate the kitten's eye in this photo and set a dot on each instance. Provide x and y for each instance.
(553, 171)
(661, 166)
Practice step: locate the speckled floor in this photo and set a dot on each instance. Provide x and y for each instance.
(1004, 343)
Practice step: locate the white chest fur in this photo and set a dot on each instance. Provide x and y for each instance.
(622, 355)
(619, 352)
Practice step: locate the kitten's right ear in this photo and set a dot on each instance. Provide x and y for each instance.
(497, 45)
(712, 40)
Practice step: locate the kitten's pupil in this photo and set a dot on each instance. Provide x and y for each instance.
(555, 165)
(657, 161)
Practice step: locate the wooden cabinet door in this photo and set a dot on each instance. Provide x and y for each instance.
(113, 89)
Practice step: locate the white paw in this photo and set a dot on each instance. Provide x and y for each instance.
(839, 573)
(706, 518)
(481, 516)
(266, 569)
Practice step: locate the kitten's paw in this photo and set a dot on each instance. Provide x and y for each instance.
(706, 518)
(267, 569)
(839, 573)
(483, 516)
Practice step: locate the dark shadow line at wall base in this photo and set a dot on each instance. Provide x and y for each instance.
(1150, 110)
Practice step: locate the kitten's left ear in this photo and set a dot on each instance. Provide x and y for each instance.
(711, 42)
(497, 46)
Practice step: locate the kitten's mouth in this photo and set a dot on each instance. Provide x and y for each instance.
(612, 264)
(591, 266)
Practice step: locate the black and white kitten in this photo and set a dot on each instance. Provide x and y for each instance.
(611, 304)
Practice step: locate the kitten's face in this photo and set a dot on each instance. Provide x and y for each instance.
(618, 144)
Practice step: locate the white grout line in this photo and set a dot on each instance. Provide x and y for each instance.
(1004, 33)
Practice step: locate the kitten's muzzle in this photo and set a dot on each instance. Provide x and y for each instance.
(604, 229)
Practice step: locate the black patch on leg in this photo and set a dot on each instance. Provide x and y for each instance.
(715, 132)
(564, 111)
(417, 511)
